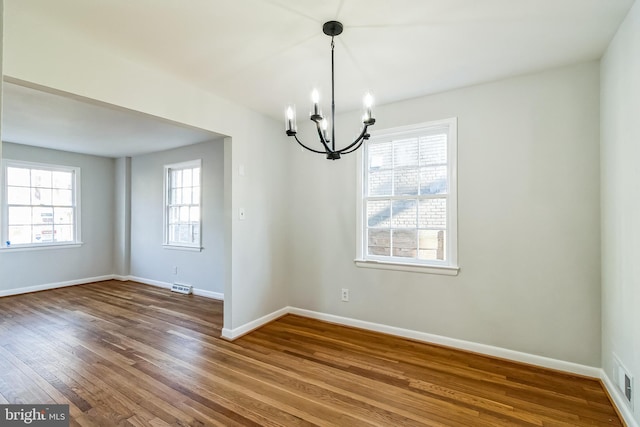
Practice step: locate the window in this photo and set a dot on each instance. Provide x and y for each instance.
(182, 205)
(41, 205)
(408, 204)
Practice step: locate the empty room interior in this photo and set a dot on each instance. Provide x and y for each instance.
(294, 213)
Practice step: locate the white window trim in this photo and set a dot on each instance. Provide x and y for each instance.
(449, 267)
(165, 188)
(6, 163)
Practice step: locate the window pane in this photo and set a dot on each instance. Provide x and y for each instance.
(19, 234)
(196, 176)
(62, 197)
(379, 242)
(174, 215)
(184, 214)
(405, 243)
(19, 195)
(173, 233)
(62, 180)
(433, 180)
(405, 152)
(432, 213)
(41, 196)
(195, 192)
(63, 216)
(40, 178)
(19, 216)
(176, 178)
(379, 183)
(187, 175)
(405, 182)
(195, 233)
(63, 233)
(184, 233)
(18, 176)
(42, 233)
(186, 196)
(194, 215)
(379, 213)
(379, 156)
(42, 216)
(433, 149)
(404, 213)
(431, 245)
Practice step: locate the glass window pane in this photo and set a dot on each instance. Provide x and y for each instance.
(187, 175)
(184, 233)
(62, 180)
(379, 242)
(379, 183)
(379, 213)
(405, 243)
(405, 152)
(184, 214)
(63, 233)
(176, 178)
(431, 245)
(433, 180)
(40, 178)
(19, 195)
(42, 216)
(194, 215)
(41, 196)
(174, 215)
(404, 213)
(19, 216)
(42, 233)
(63, 216)
(433, 149)
(186, 196)
(178, 195)
(195, 192)
(62, 197)
(405, 182)
(173, 233)
(18, 176)
(196, 176)
(19, 235)
(379, 156)
(432, 213)
(195, 230)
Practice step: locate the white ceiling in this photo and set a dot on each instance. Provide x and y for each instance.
(268, 53)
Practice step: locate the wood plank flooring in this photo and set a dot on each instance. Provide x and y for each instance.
(134, 355)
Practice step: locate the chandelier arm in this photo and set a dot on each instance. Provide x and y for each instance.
(354, 148)
(322, 139)
(304, 146)
(358, 140)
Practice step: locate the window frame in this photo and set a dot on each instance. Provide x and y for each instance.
(449, 266)
(76, 206)
(197, 246)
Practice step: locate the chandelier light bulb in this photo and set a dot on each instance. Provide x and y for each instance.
(315, 96)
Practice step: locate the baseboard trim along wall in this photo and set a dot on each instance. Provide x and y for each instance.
(47, 286)
(618, 400)
(232, 334)
(166, 285)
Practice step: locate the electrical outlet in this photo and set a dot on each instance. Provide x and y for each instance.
(345, 295)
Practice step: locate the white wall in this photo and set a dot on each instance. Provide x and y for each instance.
(149, 260)
(620, 152)
(19, 269)
(122, 217)
(46, 53)
(528, 196)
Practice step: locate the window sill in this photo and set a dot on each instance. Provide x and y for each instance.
(22, 248)
(414, 268)
(183, 248)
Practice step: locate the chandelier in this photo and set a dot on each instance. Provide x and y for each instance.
(331, 28)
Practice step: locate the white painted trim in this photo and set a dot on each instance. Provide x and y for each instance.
(618, 400)
(232, 334)
(502, 353)
(166, 285)
(208, 294)
(47, 286)
(445, 270)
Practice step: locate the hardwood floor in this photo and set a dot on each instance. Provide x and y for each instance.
(130, 354)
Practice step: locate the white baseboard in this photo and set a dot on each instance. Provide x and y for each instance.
(232, 334)
(166, 285)
(47, 286)
(489, 350)
(619, 400)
